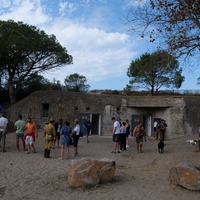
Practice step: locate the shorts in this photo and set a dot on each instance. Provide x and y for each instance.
(29, 140)
(139, 139)
(75, 140)
(127, 134)
(87, 132)
(19, 135)
(116, 137)
(154, 129)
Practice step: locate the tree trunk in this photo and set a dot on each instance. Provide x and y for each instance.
(12, 94)
(152, 90)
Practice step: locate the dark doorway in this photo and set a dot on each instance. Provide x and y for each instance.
(135, 120)
(94, 119)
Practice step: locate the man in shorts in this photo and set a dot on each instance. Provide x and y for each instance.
(87, 126)
(30, 134)
(116, 135)
(19, 132)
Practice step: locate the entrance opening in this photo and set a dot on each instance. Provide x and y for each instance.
(95, 121)
(95, 124)
(45, 109)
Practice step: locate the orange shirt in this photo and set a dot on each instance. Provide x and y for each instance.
(30, 127)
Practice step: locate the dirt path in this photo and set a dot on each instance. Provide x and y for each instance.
(138, 175)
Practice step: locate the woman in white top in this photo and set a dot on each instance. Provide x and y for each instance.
(75, 136)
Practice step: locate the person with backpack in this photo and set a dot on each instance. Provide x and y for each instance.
(139, 133)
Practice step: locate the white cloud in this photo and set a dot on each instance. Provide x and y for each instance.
(5, 3)
(31, 12)
(97, 54)
(67, 8)
(133, 3)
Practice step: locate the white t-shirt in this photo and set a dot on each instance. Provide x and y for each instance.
(117, 125)
(3, 122)
(155, 123)
(77, 129)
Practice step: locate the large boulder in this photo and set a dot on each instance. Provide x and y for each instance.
(186, 175)
(86, 171)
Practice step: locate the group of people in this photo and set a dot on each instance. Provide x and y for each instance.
(54, 132)
(120, 136)
(20, 127)
(121, 133)
(69, 136)
(27, 132)
(28, 138)
(160, 127)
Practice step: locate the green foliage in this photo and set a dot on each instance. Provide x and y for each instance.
(29, 85)
(25, 51)
(76, 83)
(36, 82)
(128, 90)
(153, 71)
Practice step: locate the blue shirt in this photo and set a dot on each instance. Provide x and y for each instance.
(87, 124)
(66, 131)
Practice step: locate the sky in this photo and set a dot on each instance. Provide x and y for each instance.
(94, 33)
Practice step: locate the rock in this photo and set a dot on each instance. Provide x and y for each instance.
(185, 175)
(88, 171)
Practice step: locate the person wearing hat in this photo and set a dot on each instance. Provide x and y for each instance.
(50, 136)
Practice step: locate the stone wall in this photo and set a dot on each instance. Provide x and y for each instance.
(181, 113)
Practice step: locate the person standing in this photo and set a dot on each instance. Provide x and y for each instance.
(123, 136)
(87, 126)
(31, 134)
(139, 133)
(65, 139)
(155, 127)
(3, 128)
(49, 135)
(19, 132)
(58, 127)
(116, 135)
(127, 132)
(75, 136)
(162, 128)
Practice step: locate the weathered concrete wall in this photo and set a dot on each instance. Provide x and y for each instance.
(65, 105)
(181, 113)
(192, 113)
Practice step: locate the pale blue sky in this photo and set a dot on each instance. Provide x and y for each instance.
(93, 33)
